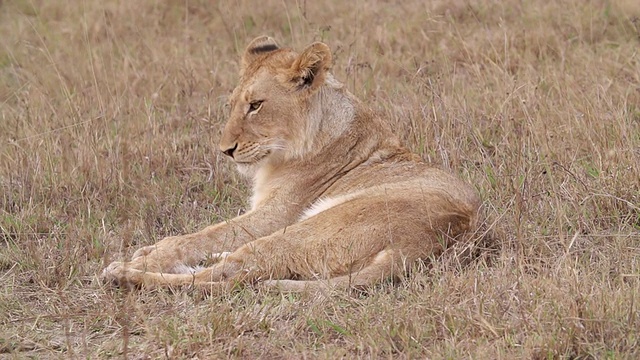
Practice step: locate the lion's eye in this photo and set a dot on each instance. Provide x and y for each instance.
(255, 106)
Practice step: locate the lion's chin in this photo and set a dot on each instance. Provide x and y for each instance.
(247, 169)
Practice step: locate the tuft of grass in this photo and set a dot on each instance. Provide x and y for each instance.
(109, 117)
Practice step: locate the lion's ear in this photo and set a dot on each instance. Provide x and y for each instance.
(311, 66)
(257, 47)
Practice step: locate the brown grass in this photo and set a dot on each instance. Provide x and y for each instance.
(109, 117)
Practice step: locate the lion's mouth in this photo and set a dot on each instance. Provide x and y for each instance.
(254, 159)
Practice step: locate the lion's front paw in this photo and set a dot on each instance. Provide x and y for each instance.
(119, 274)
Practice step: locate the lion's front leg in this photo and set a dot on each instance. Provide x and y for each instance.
(173, 261)
(230, 270)
(222, 275)
(184, 254)
(178, 254)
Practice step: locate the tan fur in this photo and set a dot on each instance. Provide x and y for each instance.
(337, 201)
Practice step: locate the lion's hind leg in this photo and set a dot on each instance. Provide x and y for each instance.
(386, 264)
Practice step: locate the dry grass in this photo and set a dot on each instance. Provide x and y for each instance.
(109, 116)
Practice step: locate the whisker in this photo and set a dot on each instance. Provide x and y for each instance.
(274, 146)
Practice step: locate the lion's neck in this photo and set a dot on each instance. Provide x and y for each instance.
(330, 117)
(340, 136)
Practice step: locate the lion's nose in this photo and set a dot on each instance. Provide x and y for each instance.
(229, 151)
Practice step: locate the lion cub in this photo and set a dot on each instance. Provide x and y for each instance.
(337, 200)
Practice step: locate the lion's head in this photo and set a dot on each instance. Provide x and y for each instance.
(269, 109)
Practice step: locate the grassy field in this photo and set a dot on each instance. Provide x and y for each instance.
(110, 112)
